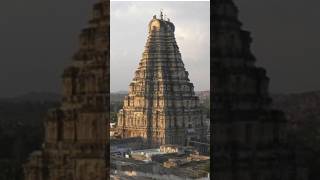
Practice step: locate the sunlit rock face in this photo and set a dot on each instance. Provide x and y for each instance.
(249, 138)
(74, 146)
(161, 105)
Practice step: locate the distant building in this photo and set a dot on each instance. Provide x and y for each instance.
(168, 148)
(145, 154)
(133, 143)
(179, 167)
(112, 125)
(112, 129)
(161, 105)
(175, 162)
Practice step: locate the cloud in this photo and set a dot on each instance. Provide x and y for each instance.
(129, 21)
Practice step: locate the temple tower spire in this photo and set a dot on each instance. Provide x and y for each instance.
(161, 106)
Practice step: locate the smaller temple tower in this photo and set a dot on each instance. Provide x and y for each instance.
(161, 106)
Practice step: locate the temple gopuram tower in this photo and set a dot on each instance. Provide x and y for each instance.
(76, 133)
(161, 106)
(249, 138)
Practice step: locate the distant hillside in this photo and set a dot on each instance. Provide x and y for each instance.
(300, 107)
(119, 96)
(204, 96)
(203, 93)
(34, 97)
(21, 129)
(303, 113)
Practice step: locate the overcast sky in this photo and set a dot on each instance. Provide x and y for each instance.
(286, 41)
(129, 29)
(39, 37)
(37, 40)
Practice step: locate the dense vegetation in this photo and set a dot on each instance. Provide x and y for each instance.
(114, 109)
(21, 132)
(303, 115)
(116, 103)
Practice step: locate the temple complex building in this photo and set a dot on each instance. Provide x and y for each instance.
(161, 105)
(74, 146)
(249, 137)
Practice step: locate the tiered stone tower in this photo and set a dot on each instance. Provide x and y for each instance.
(248, 136)
(76, 133)
(161, 106)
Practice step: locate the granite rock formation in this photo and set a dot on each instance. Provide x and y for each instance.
(161, 105)
(76, 133)
(249, 136)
